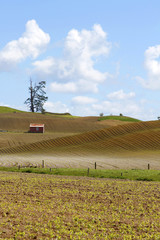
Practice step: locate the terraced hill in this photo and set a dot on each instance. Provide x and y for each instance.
(79, 141)
(14, 126)
(122, 138)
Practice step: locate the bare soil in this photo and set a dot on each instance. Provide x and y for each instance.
(127, 161)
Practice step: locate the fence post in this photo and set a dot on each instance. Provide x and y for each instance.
(88, 172)
(148, 166)
(19, 167)
(42, 163)
(95, 165)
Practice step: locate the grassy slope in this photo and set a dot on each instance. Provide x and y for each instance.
(8, 110)
(4, 109)
(120, 118)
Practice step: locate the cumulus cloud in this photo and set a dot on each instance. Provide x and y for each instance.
(152, 66)
(74, 87)
(31, 44)
(81, 48)
(87, 106)
(69, 87)
(56, 107)
(116, 107)
(120, 95)
(84, 106)
(83, 100)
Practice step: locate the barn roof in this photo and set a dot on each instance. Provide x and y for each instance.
(36, 125)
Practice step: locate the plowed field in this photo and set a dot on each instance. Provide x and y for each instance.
(129, 137)
(80, 142)
(52, 207)
(19, 122)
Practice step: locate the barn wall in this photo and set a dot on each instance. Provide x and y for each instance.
(34, 130)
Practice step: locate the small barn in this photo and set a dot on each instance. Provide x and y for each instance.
(36, 128)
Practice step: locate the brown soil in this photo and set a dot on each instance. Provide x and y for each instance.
(54, 207)
(21, 121)
(80, 141)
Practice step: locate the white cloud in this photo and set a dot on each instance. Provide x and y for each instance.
(31, 44)
(69, 87)
(120, 102)
(131, 108)
(74, 87)
(121, 95)
(56, 107)
(81, 48)
(115, 108)
(83, 100)
(152, 66)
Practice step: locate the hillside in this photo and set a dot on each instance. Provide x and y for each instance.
(130, 137)
(20, 121)
(119, 118)
(79, 141)
(4, 109)
(14, 126)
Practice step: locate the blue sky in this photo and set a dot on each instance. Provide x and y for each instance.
(95, 56)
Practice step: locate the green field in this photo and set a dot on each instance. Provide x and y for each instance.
(4, 109)
(8, 110)
(120, 118)
(135, 174)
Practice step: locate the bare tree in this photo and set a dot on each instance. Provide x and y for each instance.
(37, 97)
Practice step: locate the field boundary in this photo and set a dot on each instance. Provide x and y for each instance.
(133, 174)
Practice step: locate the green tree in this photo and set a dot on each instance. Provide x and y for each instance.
(37, 97)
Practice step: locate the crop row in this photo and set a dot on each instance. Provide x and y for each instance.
(133, 136)
(50, 207)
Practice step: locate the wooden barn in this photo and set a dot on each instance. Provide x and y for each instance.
(36, 128)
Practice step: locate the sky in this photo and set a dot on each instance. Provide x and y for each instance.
(95, 56)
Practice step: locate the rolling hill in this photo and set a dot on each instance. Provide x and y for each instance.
(130, 137)
(14, 126)
(74, 141)
(13, 120)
